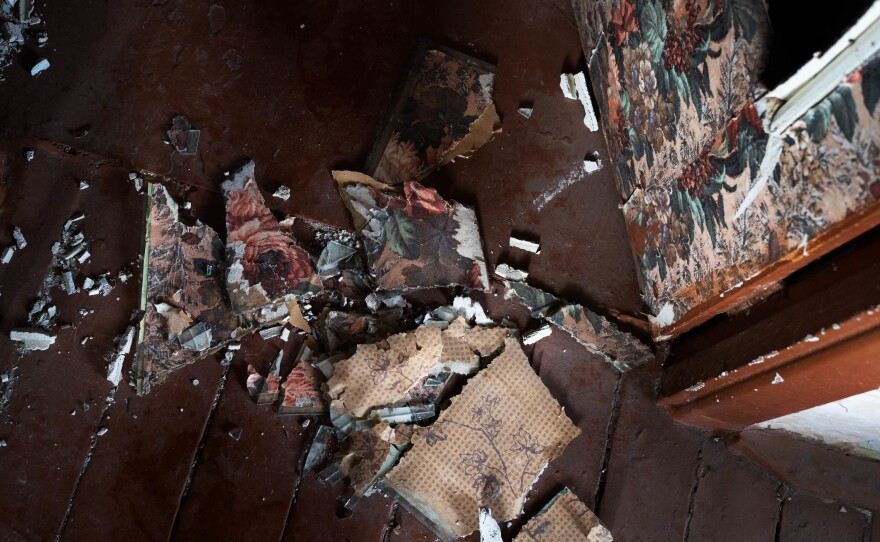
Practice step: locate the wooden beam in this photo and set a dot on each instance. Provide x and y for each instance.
(840, 361)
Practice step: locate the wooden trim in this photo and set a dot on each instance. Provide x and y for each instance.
(836, 236)
(840, 362)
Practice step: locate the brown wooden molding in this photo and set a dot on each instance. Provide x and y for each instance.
(836, 236)
(837, 362)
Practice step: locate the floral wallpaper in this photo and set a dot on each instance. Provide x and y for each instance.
(445, 93)
(678, 87)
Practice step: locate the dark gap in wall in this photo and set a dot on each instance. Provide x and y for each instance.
(802, 28)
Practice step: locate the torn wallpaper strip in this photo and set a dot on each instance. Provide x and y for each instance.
(444, 111)
(186, 311)
(564, 518)
(414, 238)
(265, 264)
(486, 449)
(594, 332)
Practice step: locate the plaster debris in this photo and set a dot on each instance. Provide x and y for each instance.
(283, 193)
(490, 531)
(592, 166)
(39, 67)
(509, 273)
(183, 137)
(502, 430)
(124, 344)
(574, 87)
(32, 338)
(14, 22)
(102, 431)
(696, 387)
(8, 252)
(535, 336)
(525, 112)
(565, 518)
(318, 449)
(777, 379)
(69, 285)
(83, 184)
(271, 332)
(528, 246)
(20, 241)
(471, 311)
(137, 180)
(103, 287)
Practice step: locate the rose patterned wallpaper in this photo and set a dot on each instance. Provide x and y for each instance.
(678, 88)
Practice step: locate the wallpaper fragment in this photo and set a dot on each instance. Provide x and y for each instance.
(183, 292)
(414, 238)
(677, 84)
(486, 449)
(265, 265)
(565, 518)
(445, 110)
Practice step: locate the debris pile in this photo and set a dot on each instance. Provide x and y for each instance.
(17, 20)
(437, 405)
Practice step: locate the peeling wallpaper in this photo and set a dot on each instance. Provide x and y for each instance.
(677, 84)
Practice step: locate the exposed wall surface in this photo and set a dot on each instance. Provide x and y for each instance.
(850, 424)
(677, 84)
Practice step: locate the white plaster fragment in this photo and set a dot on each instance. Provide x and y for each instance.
(574, 87)
(528, 246)
(535, 336)
(777, 379)
(490, 531)
(467, 236)
(471, 310)
(114, 370)
(665, 317)
(32, 339)
(283, 193)
(40, 66)
(592, 166)
(20, 241)
(7, 254)
(506, 272)
(525, 111)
